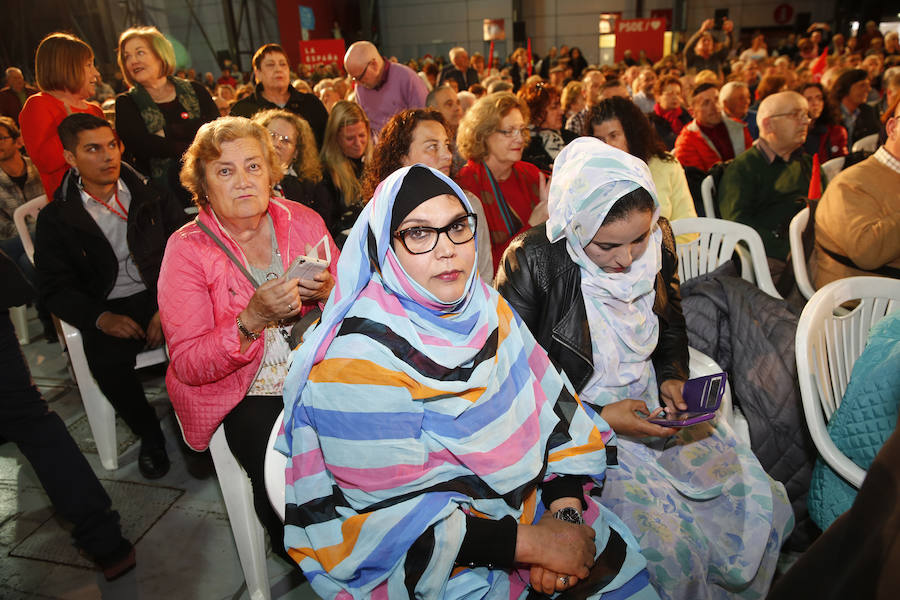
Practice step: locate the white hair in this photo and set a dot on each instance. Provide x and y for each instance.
(454, 52)
(729, 88)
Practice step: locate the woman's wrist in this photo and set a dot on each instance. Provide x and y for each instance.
(252, 321)
(525, 544)
(561, 503)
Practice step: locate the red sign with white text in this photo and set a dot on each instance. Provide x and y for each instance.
(640, 34)
(322, 52)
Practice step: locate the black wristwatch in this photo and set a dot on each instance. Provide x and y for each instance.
(569, 515)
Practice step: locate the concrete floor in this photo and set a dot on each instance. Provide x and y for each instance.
(185, 548)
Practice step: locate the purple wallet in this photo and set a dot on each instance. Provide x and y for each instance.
(702, 396)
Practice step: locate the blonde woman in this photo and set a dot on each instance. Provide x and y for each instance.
(346, 149)
(491, 138)
(159, 116)
(295, 146)
(573, 100)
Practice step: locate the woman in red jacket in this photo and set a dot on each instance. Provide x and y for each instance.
(65, 73)
(491, 137)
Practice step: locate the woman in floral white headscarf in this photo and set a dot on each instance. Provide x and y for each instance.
(598, 286)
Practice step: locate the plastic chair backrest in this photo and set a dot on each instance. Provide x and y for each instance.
(798, 254)
(249, 536)
(827, 346)
(832, 167)
(867, 144)
(708, 193)
(275, 464)
(715, 245)
(29, 209)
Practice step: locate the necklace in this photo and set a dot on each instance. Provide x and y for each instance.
(124, 212)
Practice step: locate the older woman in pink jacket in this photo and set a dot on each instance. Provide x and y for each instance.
(225, 299)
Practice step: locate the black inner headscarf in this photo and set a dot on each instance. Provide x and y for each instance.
(419, 185)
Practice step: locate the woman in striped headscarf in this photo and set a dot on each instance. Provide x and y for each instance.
(598, 286)
(435, 451)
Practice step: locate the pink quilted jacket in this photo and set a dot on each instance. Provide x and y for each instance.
(201, 291)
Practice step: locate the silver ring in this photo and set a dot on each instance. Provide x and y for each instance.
(564, 580)
(290, 308)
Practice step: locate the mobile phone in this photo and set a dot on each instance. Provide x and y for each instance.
(703, 395)
(308, 266)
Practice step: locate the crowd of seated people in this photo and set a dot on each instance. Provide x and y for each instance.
(503, 281)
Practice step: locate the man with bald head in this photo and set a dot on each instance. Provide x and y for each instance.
(459, 70)
(768, 184)
(12, 97)
(383, 88)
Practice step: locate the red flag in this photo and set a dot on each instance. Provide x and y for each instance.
(815, 182)
(491, 58)
(817, 66)
(530, 58)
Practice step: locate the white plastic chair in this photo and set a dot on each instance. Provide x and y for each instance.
(708, 194)
(868, 144)
(248, 533)
(827, 346)
(798, 255)
(832, 167)
(20, 215)
(717, 241)
(31, 209)
(100, 413)
(19, 317)
(275, 466)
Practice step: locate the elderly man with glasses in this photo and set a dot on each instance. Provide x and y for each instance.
(768, 184)
(383, 88)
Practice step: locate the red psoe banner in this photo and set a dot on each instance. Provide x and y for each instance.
(640, 34)
(322, 52)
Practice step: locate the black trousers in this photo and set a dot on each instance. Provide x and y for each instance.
(112, 361)
(247, 429)
(43, 438)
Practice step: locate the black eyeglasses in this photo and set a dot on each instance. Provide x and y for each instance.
(363, 74)
(421, 240)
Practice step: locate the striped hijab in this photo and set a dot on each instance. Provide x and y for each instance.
(403, 414)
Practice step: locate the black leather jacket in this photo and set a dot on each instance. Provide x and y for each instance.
(543, 284)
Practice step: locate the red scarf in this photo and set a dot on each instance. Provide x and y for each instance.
(672, 116)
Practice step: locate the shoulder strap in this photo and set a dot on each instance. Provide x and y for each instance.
(230, 254)
(884, 271)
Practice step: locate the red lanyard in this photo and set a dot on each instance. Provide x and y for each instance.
(122, 215)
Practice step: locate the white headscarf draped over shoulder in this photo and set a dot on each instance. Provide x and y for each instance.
(589, 176)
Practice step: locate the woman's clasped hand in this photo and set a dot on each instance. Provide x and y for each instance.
(281, 299)
(560, 553)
